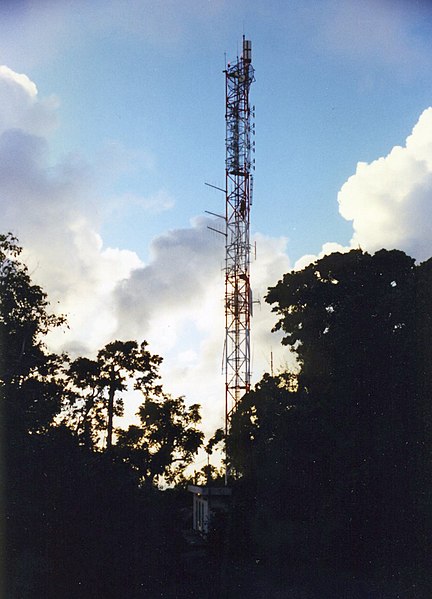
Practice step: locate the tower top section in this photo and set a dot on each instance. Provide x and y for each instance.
(242, 69)
(239, 77)
(247, 51)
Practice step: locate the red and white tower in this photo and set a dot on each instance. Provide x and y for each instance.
(238, 166)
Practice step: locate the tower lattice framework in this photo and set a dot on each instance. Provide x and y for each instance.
(238, 166)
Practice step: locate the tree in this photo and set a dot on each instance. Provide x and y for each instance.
(85, 407)
(262, 445)
(95, 387)
(347, 448)
(29, 382)
(352, 320)
(332, 311)
(256, 422)
(119, 360)
(31, 394)
(165, 442)
(77, 523)
(210, 474)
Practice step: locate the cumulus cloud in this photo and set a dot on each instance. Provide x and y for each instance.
(271, 263)
(389, 203)
(327, 248)
(176, 303)
(177, 300)
(389, 200)
(182, 262)
(53, 211)
(21, 106)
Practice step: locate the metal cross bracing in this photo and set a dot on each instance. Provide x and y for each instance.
(238, 300)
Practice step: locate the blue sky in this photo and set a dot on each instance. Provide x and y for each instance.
(128, 124)
(336, 83)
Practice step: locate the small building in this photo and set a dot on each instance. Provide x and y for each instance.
(208, 501)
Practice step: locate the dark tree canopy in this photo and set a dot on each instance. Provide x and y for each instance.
(166, 441)
(96, 387)
(28, 373)
(332, 467)
(79, 523)
(343, 456)
(345, 311)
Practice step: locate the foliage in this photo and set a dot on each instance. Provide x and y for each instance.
(338, 461)
(95, 385)
(165, 442)
(79, 526)
(332, 311)
(217, 439)
(332, 465)
(28, 374)
(255, 425)
(78, 521)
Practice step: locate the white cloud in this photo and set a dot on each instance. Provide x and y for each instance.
(389, 201)
(21, 106)
(53, 211)
(183, 263)
(21, 80)
(270, 265)
(176, 303)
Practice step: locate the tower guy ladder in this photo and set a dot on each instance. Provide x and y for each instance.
(239, 180)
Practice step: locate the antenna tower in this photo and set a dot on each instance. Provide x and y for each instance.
(238, 189)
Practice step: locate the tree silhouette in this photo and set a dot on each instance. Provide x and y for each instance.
(337, 464)
(165, 442)
(95, 387)
(29, 383)
(78, 522)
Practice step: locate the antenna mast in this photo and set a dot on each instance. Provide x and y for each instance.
(238, 188)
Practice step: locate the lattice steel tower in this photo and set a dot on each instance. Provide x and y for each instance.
(238, 166)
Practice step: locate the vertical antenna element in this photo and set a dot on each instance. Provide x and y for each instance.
(238, 164)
